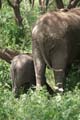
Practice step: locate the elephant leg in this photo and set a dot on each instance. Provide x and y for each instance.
(40, 67)
(15, 90)
(59, 76)
(59, 66)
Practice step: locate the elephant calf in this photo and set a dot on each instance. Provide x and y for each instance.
(22, 72)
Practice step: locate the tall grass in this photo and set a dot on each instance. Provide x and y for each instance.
(38, 105)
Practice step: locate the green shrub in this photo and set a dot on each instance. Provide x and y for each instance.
(38, 105)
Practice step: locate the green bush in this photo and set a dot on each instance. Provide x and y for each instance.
(73, 78)
(5, 74)
(38, 105)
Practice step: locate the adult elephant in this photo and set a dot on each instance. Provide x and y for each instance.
(56, 43)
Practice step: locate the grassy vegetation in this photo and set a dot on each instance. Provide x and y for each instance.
(35, 105)
(39, 105)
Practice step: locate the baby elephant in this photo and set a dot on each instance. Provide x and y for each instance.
(22, 72)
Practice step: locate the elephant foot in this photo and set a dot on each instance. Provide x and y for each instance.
(58, 90)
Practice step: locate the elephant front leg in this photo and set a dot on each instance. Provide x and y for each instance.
(59, 75)
(59, 66)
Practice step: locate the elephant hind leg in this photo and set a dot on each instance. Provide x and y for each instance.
(59, 62)
(40, 67)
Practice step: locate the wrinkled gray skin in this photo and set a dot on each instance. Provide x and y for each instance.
(22, 72)
(56, 43)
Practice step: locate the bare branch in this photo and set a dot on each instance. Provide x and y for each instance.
(0, 4)
(11, 4)
(72, 3)
(16, 8)
(20, 1)
(8, 55)
(59, 4)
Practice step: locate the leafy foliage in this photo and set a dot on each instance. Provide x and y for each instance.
(39, 105)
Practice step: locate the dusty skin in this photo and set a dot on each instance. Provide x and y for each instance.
(22, 72)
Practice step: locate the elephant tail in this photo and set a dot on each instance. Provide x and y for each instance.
(45, 56)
